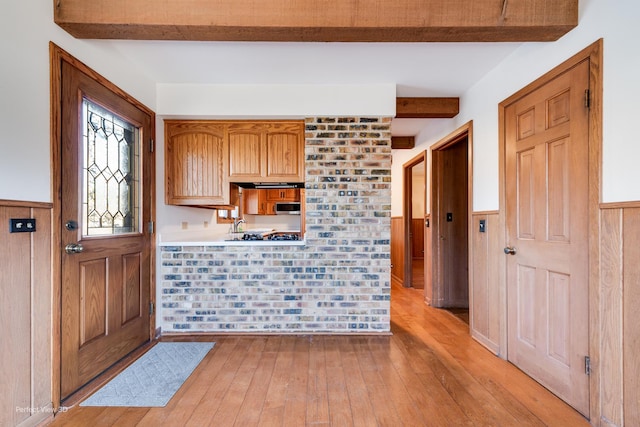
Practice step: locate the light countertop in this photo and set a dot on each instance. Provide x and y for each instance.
(203, 238)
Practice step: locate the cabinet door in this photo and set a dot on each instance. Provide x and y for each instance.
(254, 201)
(247, 160)
(291, 195)
(196, 165)
(270, 208)
(283, 194)
(285, 151)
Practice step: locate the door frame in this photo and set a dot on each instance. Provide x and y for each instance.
(593, 54)
(437, 290)
(407, 195)
(56, 56)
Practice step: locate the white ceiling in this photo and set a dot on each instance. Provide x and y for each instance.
(417, 69)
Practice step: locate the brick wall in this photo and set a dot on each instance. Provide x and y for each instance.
(338, 282)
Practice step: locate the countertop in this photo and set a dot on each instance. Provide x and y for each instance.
(203, 238)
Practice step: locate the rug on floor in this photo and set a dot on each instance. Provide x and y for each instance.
(153, 379)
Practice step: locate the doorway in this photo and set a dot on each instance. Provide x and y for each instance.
(415, 218)
(450, 221)
(418, 193)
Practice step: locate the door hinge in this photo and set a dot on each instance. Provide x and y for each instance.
(151, 227)
(587, 365)
(152, 309)
(151, 145)
(587, 98)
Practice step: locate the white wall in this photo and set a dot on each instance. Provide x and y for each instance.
(26, 27)
(616, 24)
(276, 100)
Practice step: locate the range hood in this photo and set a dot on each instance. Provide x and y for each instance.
(268, 185)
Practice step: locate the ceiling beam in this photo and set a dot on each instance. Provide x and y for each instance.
(403, 142)
(427, 108)
(319, 20)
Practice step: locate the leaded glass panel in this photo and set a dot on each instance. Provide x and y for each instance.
(111, 173)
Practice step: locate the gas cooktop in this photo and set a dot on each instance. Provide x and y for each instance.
(271, 236)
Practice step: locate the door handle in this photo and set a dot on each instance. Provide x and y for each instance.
(73, 248)
(509, 250)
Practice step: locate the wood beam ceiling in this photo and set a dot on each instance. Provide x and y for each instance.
(422, 108)
(403, 142)
(427, 108)
(324, 20)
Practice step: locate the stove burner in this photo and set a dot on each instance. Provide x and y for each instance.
(284, 236)
(274, 236)
(249, 236)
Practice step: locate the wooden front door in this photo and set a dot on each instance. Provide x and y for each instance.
(546, 174)
(107, 185)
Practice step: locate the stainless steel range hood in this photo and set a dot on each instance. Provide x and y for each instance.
(268, 185)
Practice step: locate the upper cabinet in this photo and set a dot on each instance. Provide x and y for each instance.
(283, 194)
(247, 150)
(196, 167)
(204, 157)
(266, 151)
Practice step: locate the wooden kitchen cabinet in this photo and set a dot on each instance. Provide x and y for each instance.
(275, 195)
(283, 195)
(266, 151)
(196, 166)
(247, 151)
(255, 201)
(203, 158)
(262, 201)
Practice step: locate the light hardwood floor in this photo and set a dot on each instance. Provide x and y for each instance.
(429, 372)
(417, 273)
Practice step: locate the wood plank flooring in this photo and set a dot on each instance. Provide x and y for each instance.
(429, 372)
(417, 273)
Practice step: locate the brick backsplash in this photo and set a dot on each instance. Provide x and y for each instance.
(338, 282)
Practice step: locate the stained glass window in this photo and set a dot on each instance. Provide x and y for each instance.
(111, 173)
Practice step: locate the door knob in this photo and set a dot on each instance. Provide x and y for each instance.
(73, 248)
(509, 250)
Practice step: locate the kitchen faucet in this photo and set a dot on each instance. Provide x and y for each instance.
(236, 223)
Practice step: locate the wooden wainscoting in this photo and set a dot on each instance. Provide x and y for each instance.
(25, 316)
(616, 343)
(397, 250)
(486, 278)
(619, 293)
